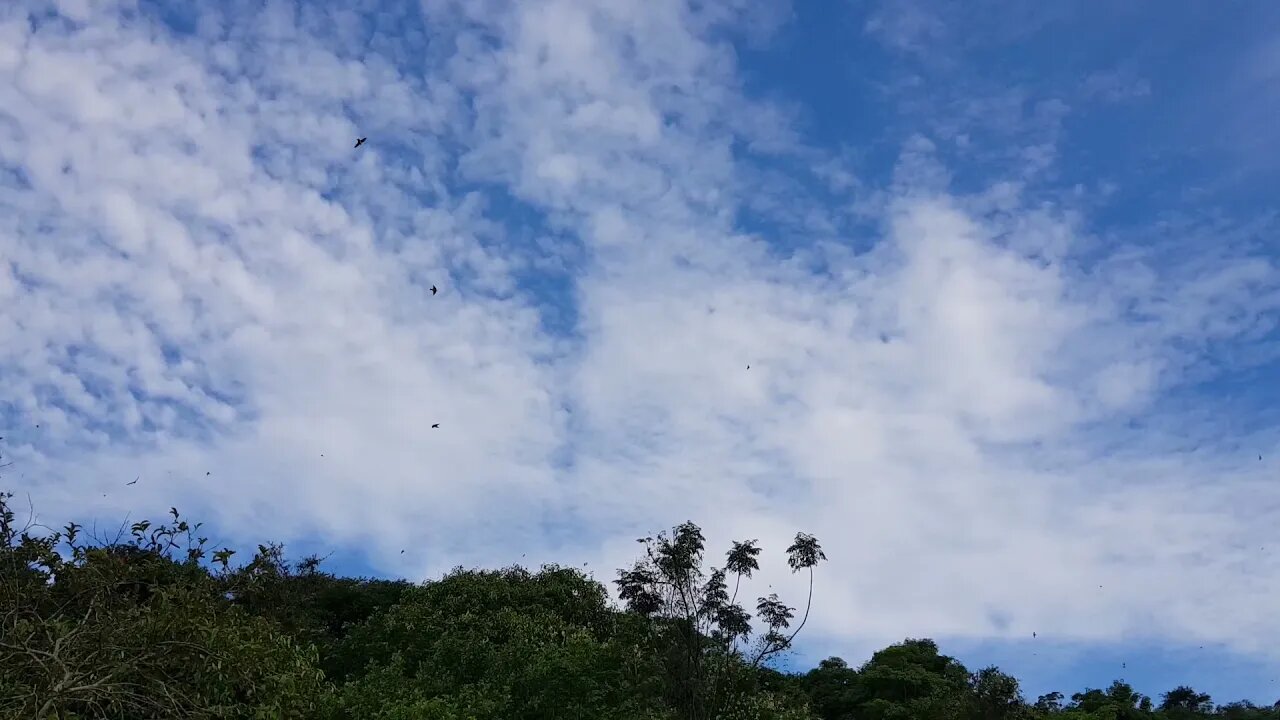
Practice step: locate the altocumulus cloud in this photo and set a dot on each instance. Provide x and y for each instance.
(201, 275)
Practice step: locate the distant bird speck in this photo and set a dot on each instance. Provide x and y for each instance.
(360, 141)
(206, 474)
(401, 552)
(433, 290)
(748, 367)
(135, 481)
(1033, 634)
(435, 425)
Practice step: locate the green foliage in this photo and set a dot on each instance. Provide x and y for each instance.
(149, 625)
(1119, 702)
(1184, 702)
(699, 624)
(911, 679)
(996, 696)
(126, 630)
(312, 606)
(834, 689)
(1248, 711)
(507, 644)
(762, 706)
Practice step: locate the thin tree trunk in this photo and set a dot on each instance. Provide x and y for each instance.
(807, 604)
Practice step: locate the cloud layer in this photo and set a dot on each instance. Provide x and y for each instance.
(976, 398)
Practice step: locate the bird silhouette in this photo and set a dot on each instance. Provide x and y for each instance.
(748, 367)
(135, 481)
(360, 141)
(433, 290)
(435, 425)
(401, 552)
(206, 474)
(1033, 634)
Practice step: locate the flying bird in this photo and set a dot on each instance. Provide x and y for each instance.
(401, 552)
(135, 481)
(1033, 634)
(360, 141)
(434, 291)
(435, 425)
(206, 474)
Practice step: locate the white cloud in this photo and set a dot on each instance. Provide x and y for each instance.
(910, 27)
(203, 275)
(1115, 86)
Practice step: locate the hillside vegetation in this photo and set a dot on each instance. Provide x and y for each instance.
(150, 624)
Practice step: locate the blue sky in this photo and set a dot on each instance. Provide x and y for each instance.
(1005, 275)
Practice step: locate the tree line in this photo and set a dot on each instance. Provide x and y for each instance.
(152, 624)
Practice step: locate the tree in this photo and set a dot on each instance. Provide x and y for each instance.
(312, 606)
(833, 689)
(912, 680)
(503, 645)
(996, 695)
(1048, 703)
(1245, 710)
(1183, 701)
(1120, 702)
(126, 629)
(145, 625)
(702, 621)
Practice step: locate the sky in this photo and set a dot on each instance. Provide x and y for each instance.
(1006, 275)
